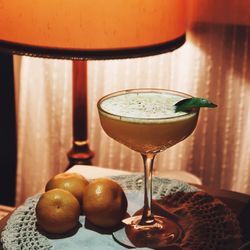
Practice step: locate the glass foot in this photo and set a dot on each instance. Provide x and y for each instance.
(163, 233)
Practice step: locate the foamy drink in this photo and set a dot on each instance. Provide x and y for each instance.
(146, 121)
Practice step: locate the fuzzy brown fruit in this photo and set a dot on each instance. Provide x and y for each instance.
(104, 203)
(57, 211)
(72, 182)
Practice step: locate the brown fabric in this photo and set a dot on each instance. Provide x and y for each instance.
(207, 222)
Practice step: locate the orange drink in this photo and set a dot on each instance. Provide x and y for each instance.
(146, 121)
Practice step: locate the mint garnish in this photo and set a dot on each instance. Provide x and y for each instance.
(194, 102)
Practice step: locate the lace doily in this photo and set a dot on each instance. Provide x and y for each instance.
(213, 218)
(20, 231)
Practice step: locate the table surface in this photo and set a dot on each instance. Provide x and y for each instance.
(238, 202)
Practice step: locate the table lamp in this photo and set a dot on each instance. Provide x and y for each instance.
(81, 30)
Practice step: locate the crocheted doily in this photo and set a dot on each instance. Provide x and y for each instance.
(21, 232)
(208, 223)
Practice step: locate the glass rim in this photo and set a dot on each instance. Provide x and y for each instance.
(144, 90)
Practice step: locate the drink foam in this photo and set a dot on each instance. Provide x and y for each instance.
(143, 105)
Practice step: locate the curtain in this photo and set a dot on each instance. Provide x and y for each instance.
(213, 64)
(44, 121)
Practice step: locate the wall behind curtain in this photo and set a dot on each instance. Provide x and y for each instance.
(213, 64)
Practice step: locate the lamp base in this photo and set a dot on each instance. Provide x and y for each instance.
(80, 155)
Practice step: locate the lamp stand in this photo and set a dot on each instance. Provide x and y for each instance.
(80, 153)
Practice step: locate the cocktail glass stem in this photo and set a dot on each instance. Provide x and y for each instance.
(147, 215)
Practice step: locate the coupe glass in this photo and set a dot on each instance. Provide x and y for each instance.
(145, 121)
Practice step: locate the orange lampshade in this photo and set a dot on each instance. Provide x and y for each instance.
(87, 29)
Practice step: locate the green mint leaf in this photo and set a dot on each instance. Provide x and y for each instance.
(189, 103)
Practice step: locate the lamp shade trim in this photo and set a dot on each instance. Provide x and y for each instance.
(29, 50)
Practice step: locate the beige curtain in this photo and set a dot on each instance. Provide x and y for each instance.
(43, 122)
(213, 63)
